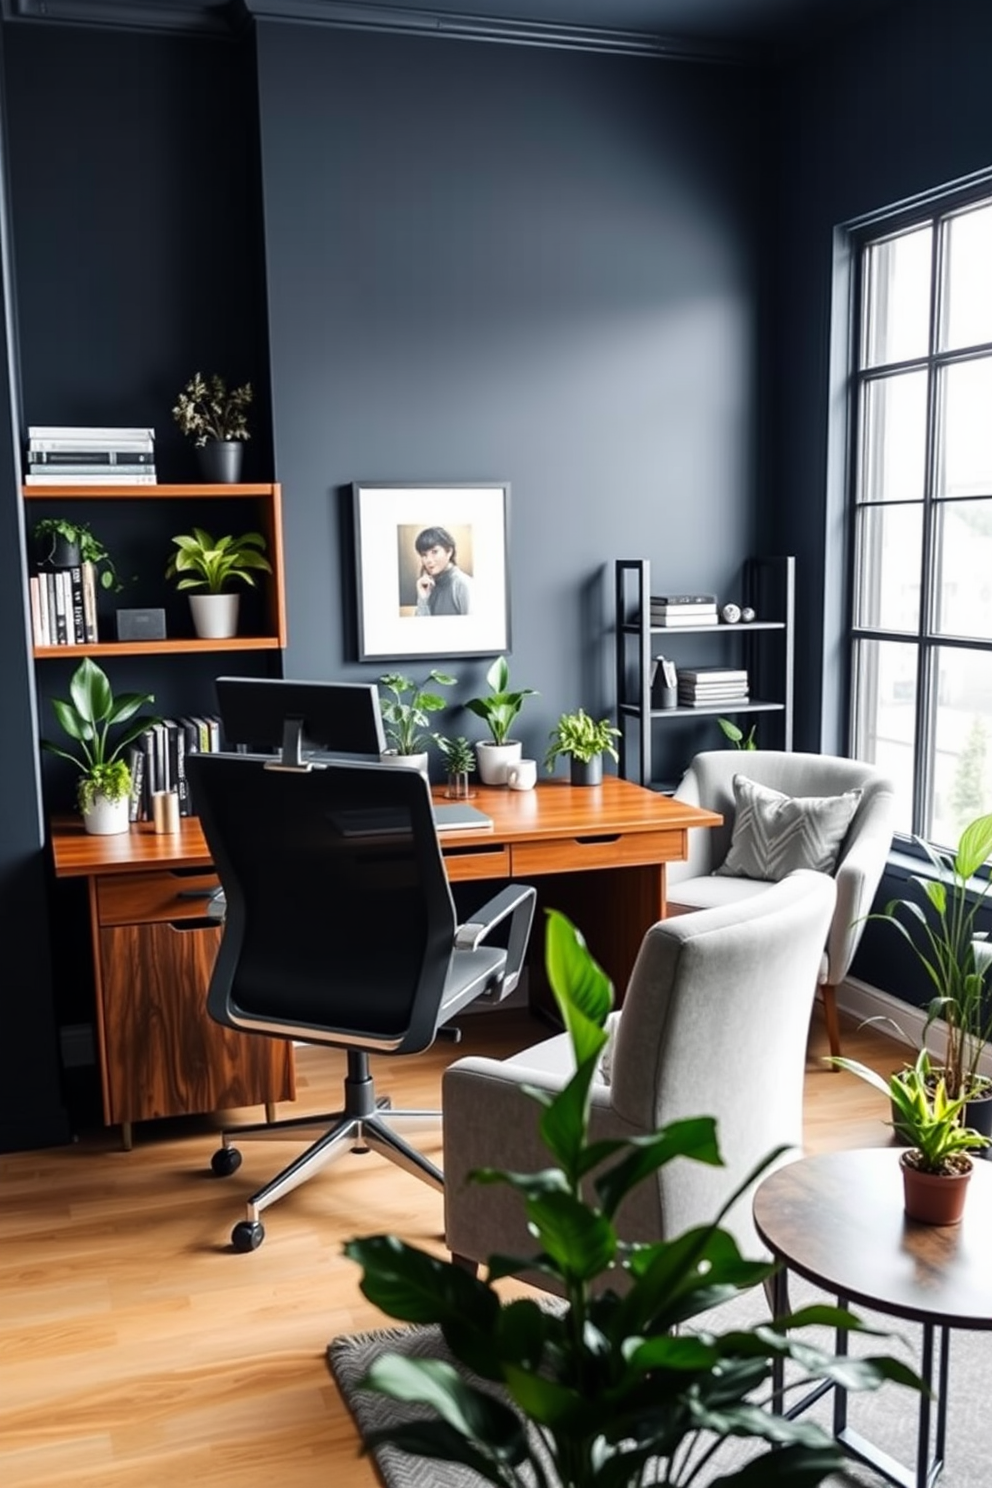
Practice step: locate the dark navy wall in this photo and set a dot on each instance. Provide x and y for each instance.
(900, 108)
(490, 262)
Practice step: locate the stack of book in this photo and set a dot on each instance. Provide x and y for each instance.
(63, 605)
(60, 455)
(670, 610)
(157, 759)
(712, 687)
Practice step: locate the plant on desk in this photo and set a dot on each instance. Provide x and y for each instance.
(405, 714)
(459, 758)
(498, 709)
(87, 717)
(584, 740)
(611, 1389)
(936, 1166)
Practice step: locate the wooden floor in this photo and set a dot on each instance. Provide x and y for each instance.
(137, 1350)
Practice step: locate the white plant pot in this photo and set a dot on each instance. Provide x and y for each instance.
(104, 818)
(411, 761)
(495, 758)
(215, 616)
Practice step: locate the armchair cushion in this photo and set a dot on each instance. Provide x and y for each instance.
(775, 834)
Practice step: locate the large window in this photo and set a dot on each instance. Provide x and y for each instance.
(922, 511)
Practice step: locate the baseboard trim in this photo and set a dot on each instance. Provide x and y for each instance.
(861, 1001)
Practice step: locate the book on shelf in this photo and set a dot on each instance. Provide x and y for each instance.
(673, 622)
(104, 478)
(75, 574)
(38, 617)
(712, 702)
(713, 674)
(70, 473)
(90, 629)
(662, 612)
(683, 599)
(96, 454)
(70, 436)
(136, 810)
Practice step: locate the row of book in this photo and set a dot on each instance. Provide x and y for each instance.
(60, 454)
(157, 760)
(673, 610)
(708, 687)
(63, 605)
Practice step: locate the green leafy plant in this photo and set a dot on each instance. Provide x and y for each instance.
(941, 931)
(91, 549)
(405, 719)
(737, 737)
(459, 756)
(595, 1391)
(88, 717)
(925, 1115)
(500, 707)
(207, 563)
(581, 737)
(205, 409)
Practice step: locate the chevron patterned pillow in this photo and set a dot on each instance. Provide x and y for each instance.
(775, 834)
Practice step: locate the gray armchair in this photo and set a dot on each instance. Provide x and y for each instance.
(709, 782)
(714, 1022)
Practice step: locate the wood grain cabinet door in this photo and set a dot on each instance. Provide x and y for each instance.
(165, 1056)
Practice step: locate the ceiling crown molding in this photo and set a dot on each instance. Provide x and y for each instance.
(353, 16)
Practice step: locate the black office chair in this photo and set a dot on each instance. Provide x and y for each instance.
(340, 929)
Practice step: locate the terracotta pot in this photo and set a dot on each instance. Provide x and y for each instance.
(934, 1198)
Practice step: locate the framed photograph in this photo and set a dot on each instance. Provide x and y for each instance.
(432, 570)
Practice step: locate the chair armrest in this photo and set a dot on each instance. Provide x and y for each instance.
(857, 878)
(516, 901)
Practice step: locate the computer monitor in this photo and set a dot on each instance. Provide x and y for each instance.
(301, 719)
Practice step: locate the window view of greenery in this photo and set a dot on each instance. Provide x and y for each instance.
(922, 511)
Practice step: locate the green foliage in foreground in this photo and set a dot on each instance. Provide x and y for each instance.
(609, 1384)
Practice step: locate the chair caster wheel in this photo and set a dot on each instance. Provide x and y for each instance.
(247, 1235)
(225, 1161)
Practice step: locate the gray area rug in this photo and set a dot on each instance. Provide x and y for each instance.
(887, 1417)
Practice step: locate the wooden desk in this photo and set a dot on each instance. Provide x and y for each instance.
(596, 853)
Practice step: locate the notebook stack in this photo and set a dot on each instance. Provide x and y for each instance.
(671, 610)
(61, 455)
(712, 687)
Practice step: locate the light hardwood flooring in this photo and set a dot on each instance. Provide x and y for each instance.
(137, 1350)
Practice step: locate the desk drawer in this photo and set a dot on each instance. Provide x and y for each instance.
(146, 898)
(609, 850)
(477, 862)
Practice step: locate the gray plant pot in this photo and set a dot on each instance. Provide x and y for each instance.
(587, 772)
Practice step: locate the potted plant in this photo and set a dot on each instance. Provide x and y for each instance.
(205, 563)
(498, 710)
(935, 1166)
(216, 420)
(941, 931)
(405, 715)
(611, 1388)
(62, 544)
(459, 757)
(737, 736)
(104, 787)
(585, 741)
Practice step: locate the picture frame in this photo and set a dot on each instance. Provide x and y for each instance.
(432, 569)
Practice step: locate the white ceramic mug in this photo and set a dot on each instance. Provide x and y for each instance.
(522, 775)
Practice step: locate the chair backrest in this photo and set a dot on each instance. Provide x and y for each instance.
(715, 1022)
(709, 782)
(339, 922)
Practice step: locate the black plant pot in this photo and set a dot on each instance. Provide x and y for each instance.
(978, 1114)
(56, 551)
(220, 461)
(587, 772)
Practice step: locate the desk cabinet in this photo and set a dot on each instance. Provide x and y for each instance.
(161, 1054)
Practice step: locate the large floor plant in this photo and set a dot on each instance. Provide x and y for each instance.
(610, 1390)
